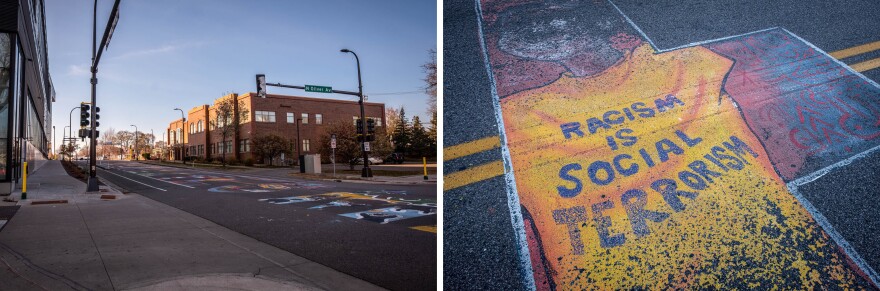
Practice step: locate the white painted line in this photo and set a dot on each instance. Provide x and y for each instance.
(633, 24)
(133, 180)
(169, 182)
(832, 232)
(716, 40)
(821, 172)
(519, 229)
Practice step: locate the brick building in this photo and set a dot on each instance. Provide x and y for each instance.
(275, 114)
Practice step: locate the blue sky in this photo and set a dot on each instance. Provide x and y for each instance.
(171, 53)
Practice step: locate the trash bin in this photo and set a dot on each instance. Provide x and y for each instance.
(312, 164)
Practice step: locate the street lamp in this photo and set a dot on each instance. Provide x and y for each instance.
(183, 124)
(366, 172)
(136, 152)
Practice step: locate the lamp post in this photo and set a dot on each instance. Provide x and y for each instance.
(136, 143)
(54, 151)
(70, 121)
(366, 172)
(183, 124)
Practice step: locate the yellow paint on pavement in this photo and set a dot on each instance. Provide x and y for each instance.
(866, 65)
(856, 50)
(472, 175)
(471, 147)
(428, 228)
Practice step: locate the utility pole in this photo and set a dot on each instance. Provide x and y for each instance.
(96, 58)
(136, 149)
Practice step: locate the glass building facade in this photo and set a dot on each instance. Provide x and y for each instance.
(26, 91)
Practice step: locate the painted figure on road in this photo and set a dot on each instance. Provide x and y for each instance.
(636, 168)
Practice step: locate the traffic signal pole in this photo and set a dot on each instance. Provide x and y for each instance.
(96, 58)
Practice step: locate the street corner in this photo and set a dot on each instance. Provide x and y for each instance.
(640, 168)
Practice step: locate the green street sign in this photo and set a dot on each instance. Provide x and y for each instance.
(319, 89)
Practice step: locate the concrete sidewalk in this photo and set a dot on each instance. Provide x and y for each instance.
(134, 243)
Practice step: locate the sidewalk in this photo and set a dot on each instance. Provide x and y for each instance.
(134, 243)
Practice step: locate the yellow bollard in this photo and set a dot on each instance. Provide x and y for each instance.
(24, 183)
(425, 164)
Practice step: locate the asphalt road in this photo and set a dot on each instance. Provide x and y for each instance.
(479, 238)
(384, 234)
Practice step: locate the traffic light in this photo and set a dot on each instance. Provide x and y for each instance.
(84, 115)
(97, 116)
(360, 127)
(261, 85)
(371, 126)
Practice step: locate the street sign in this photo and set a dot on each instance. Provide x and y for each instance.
(332, 141)
(367, 146)
(319, 89)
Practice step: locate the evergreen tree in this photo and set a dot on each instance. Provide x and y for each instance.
(419, 140)
(432, 134)
(401, 136)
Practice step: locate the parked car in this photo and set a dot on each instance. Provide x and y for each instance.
(373, 161)
(395, 158)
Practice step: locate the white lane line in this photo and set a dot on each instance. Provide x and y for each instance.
(832, 232)
(821, 172)
(136, 181)
(169, 182)
(516, 219)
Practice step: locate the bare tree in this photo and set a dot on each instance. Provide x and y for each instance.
(270, 146)
(431, 81)
(392, 115)
(348, 149)
(227, 118)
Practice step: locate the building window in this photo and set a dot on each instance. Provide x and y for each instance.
(290, 117)
(264, 116)
(229, 146)
(192, 128)
(201, 127)
(305, 118)
(376, 120)
(243, 146)
(305, 147)
(319, 118)
(355, 120)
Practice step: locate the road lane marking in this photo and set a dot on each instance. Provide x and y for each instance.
(169, 182)
(136, 181)
(427, 228)
(471, 147)
(856, 50)
(866, 65)
(473, 175)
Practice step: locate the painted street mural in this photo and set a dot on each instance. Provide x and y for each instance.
(399, 209)
(641, 169)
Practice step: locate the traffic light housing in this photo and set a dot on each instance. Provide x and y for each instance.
(371, 126)
(360, 127)
(96, 116)
(261, 85)
(84, 115)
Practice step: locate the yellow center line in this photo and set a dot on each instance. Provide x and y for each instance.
(856, 50)
(471, 147)
(866, 65)
(428, 228)
(473, 175)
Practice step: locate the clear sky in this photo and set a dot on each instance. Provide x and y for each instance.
(171, 53)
